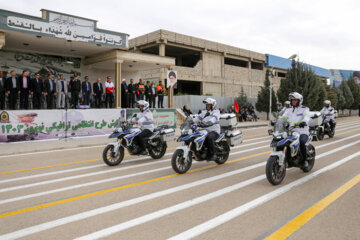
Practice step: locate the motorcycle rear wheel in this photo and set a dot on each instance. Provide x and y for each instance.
(310, 158)
(223, 157)
(320, 134)
(275, 174)
(159, 151)
(110, 158)
(179, 163)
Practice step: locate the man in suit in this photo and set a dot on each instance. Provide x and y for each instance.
(37, 90)
(13, 90)
(98, 92)
(61, 92)
(49, 91)
(25, 87)
(75, 86)
(153, 96)
(2, 91)
(132, 93)
(86, 91)
(124, 94)
(147, 91)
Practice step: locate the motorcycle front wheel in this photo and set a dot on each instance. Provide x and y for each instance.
(320, 134)
(275, 173)
(180, 163)
(111, 158)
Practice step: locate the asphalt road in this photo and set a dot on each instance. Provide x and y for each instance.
(72, 194)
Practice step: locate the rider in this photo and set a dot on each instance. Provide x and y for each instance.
(145, 119)
(299, 115)
(286, 106)
(328, 109)
(210, 117)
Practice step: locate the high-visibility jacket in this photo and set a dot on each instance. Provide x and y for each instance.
(329, 110)
(145, 119)
(160, 89)
(141, 89)
(297, 115)
(213, 116)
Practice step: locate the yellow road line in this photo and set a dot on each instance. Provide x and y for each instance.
(7, 214)
(57, 165)
(311, 212)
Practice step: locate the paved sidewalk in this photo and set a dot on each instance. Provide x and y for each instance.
(7, 149)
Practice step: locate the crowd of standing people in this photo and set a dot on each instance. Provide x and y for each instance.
(23, 92)
(133, 92)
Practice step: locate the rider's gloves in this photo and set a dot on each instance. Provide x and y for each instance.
(302, 124)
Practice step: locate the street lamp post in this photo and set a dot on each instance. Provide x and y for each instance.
(272, 72)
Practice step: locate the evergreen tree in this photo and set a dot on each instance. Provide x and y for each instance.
(242, 99)
(263, 98)
(340, 98)
(332, 96)
(349, 99)
(355, 90)
(302, 79)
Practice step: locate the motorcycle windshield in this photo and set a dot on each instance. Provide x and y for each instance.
(280, 125)
(186, 125)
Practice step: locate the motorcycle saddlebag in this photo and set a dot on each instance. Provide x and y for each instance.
(234, 137)
(167, 134)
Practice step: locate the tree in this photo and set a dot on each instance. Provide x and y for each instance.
(340, 98)
(242, 99)
(263, 98)
(332, 96)
(355, 90)
(349, 99)
(302, 79)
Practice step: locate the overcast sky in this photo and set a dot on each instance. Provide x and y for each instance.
(324, 33)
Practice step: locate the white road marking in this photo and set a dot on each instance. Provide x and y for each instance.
(192, 233)
(116, 206)
(223, 218)
(106, 172)
(103, 165)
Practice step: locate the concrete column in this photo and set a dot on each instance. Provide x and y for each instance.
(118, 83)
(2, 39)
(162, 49)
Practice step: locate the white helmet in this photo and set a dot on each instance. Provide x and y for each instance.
(327, 102)
(143, 103)
(287, 103)
(296, 95)
(210, 101)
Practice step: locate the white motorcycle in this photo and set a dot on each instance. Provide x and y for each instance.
(287, 154)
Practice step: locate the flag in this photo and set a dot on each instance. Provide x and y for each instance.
(236, 106)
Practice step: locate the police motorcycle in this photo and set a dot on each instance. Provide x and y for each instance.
(124, 135)
(315, 125)
(286, 152)
(193, 137)
(325, 127)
